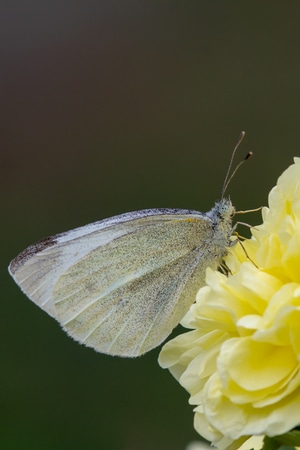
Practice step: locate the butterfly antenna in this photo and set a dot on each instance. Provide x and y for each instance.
(229, 176)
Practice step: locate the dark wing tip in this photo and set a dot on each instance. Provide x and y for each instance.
(30, 251)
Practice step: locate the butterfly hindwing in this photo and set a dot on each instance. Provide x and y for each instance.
(120, 285)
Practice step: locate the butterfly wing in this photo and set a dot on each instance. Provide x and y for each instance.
(122, 284)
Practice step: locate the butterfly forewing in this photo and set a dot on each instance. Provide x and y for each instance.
(38, 267)
(120, 285)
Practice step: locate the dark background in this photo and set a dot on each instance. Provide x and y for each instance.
(112, 106)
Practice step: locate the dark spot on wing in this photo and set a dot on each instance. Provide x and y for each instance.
(31, 251)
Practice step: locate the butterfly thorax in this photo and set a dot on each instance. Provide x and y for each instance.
(221, 216)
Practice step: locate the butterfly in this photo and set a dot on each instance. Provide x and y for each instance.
(121, 285)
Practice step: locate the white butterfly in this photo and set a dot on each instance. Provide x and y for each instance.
(122, 284)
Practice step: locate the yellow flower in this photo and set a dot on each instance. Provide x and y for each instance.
(241, 361)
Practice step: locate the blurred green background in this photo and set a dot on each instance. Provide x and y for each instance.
(112, 106)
